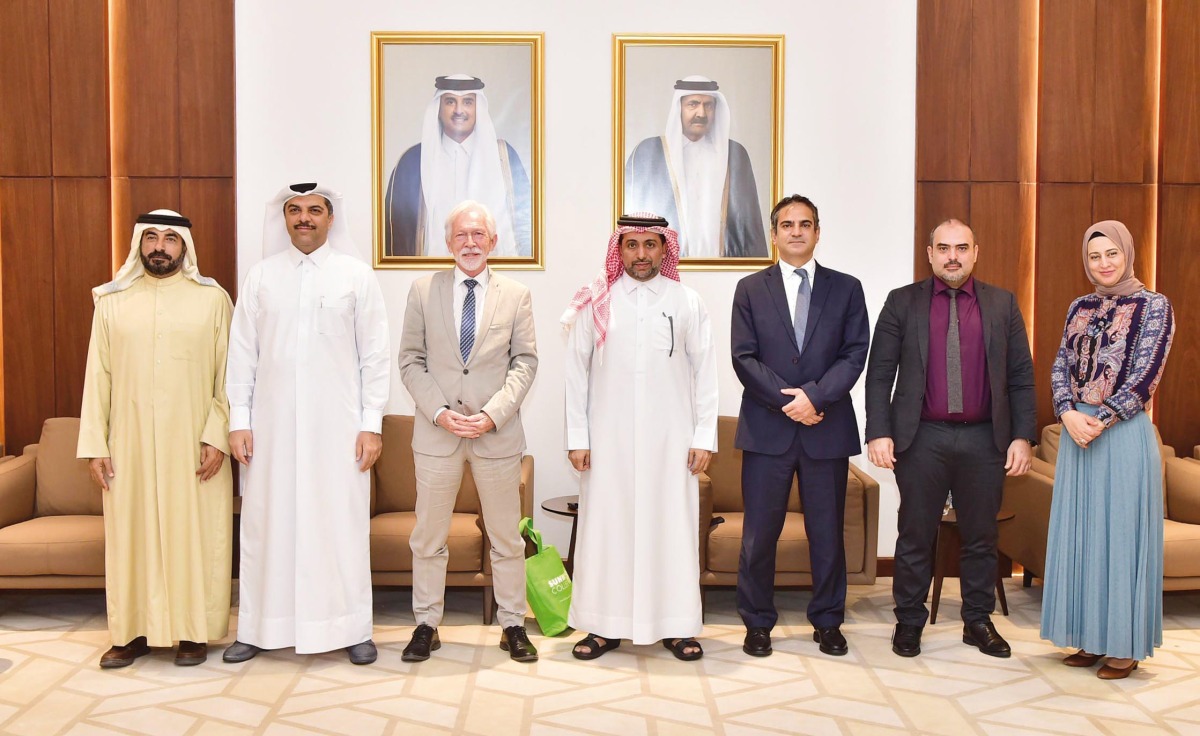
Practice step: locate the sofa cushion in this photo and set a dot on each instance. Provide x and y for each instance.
(64, 485)
(725, 542)
(1181, 549)
(1183, 490)
(394, 477)
(53, 545)
(390, 534)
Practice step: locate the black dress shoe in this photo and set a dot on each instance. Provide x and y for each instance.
(363, 652)
(831, 640)
(983, 636)
(424, 640)
(516, 642)
(240, 651)
(906, 640)
(123, 656)
(758, 641)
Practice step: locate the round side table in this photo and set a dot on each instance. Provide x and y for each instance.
(566, 506)
(949, 544)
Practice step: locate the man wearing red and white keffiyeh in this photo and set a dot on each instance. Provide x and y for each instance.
(597, 293)
(640, 428)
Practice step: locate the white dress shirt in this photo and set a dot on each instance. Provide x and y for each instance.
(791, 282)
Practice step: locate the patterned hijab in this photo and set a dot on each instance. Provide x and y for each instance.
(598, 293)
(1119, 234)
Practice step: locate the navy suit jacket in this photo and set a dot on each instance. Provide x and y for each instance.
(767, 359)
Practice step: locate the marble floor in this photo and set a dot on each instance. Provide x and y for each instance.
(50, 682)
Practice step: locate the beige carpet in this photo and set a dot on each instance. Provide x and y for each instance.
(50, 682)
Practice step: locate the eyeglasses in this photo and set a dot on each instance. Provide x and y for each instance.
(473, 235)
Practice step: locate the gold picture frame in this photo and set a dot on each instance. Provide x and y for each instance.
(743, 73)
(404, 67)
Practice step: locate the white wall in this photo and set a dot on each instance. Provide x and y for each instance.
(304, 109)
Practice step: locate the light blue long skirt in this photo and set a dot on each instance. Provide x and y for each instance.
(1104, 557)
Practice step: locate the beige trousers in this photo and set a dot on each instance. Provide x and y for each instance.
(498, 481)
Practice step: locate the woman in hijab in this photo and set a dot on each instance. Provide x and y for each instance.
(1104, 558)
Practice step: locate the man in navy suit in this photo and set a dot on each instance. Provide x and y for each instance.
(800, 335)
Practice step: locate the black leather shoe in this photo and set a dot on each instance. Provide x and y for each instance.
(123, 656)
(516, 642)
(906, 640)
(240, 651)
(424, 640)
(831, 640)
(363, 652)
(758, 641)
(983, 636)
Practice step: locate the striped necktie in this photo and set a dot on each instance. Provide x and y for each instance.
(466, 335)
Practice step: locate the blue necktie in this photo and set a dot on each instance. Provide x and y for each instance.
(466, 335)
(800, 319)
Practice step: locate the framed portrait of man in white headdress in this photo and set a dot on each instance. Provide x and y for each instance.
(456, 116)
(698, 124)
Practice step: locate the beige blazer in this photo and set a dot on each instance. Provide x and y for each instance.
(495, 377)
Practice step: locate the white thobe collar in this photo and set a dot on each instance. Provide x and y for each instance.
(481, 277)
(318, 257)
(629, 283)
(450, 146)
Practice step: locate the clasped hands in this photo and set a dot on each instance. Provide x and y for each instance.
(1082, 428)
(800, 408)
(467, 427)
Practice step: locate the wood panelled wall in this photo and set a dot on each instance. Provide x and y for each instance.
(108, 108)
(1036, 118)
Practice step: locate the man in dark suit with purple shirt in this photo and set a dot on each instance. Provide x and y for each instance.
(799, 334)
(963, 412)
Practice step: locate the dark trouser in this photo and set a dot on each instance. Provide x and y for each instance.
(766, 485)
(961, 458)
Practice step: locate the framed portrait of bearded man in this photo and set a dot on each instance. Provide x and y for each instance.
(455, 117)
(698, 124)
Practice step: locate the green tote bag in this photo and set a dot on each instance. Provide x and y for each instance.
(547, 585)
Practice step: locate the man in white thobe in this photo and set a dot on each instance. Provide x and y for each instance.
(641, 404)
(308, 381)
(460, 157)
(698, 177)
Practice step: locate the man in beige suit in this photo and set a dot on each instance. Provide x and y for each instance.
(468, 356)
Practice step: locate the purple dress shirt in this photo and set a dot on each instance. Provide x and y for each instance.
(977, 393)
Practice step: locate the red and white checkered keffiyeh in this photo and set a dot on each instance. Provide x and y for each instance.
(598, 293)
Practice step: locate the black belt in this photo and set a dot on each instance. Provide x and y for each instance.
(956, 424)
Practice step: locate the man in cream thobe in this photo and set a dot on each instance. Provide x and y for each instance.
(641, 404)
(308, 383)
(153, 424)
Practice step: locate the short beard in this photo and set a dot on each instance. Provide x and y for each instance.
(653, 272)
(165, 269)
(954, 278)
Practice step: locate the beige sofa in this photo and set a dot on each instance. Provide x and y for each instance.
(393, 516)
(720, 543)
(1023, 539)
(51, 520)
